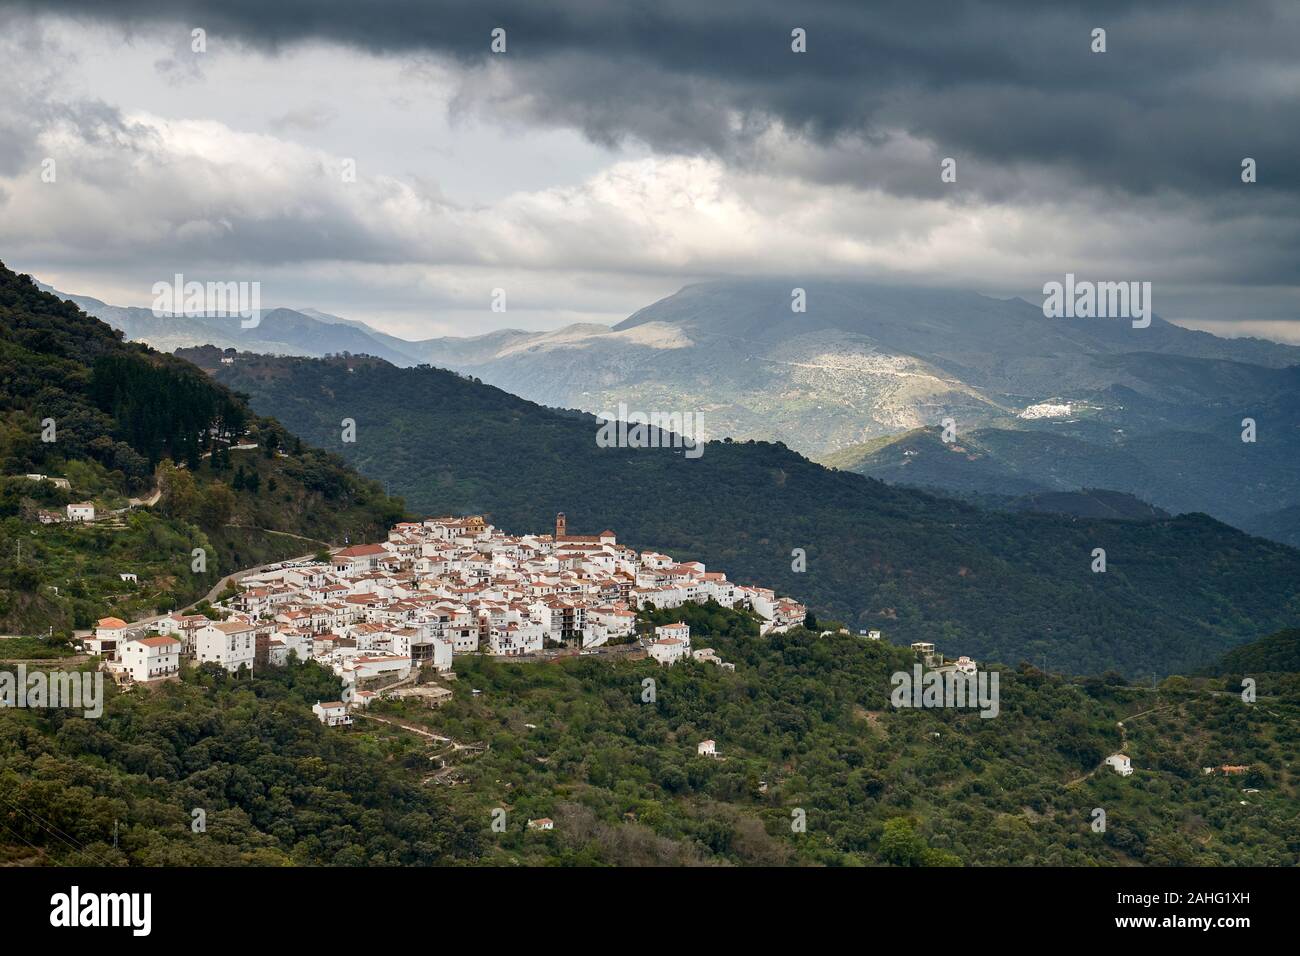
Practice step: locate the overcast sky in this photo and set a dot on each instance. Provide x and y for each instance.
(615, 152)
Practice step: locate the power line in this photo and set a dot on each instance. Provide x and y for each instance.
(55, 831)
(23, 838)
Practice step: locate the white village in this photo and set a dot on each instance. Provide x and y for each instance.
(376, 614)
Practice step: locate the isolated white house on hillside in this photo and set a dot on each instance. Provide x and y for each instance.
(333, 713)
(1121, 764)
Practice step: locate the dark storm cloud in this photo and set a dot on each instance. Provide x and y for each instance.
(1184, 92)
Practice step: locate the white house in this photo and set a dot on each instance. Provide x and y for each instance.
(512, 640)
(545, 823)
(360, 557)
(787, 614)
(110, 632)
(231, 644)
(965, 665)
(707, 748)
(1121, 764)
(332, 713)
(367, 668)
(616, 621)
(594, 634)
(680, 631)
(169, 623)
(277, 652)
(441, 656)
(669, 651)
(151, 658)
(83, 511)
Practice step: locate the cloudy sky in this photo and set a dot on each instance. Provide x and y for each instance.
(615, 152)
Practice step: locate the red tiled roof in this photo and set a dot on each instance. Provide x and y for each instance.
(156, 641)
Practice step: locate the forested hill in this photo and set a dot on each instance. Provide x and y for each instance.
(1277, 653)
(172, 461)
(1177, 592)
(804, 721)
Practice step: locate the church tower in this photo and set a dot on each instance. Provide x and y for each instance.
(559, 526)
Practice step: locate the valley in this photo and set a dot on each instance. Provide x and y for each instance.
(1154, 411)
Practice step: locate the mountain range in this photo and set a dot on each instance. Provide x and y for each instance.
(867, 377)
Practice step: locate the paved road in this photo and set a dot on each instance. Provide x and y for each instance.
(232, 578)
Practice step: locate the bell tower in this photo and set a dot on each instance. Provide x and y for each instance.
(560, 527)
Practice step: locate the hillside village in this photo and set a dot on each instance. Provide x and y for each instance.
(376, 614)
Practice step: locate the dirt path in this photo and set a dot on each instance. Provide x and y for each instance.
(69, 661)
(455, 745)
(146, 502)
(1123, 737)
(283, 534)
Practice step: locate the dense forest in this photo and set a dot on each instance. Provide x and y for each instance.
(274, 786)
(172, 461)
(804, 732)
(1276, 653)
(805, 723)
(1176, 593)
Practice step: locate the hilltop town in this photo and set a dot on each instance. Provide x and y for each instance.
(435, 589)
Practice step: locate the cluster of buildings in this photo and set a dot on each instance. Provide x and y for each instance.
(933, 659)
(672, 643)
(435, 589)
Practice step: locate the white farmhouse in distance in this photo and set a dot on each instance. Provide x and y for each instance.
(82, 511)
(1121, 764)
(707, 748)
